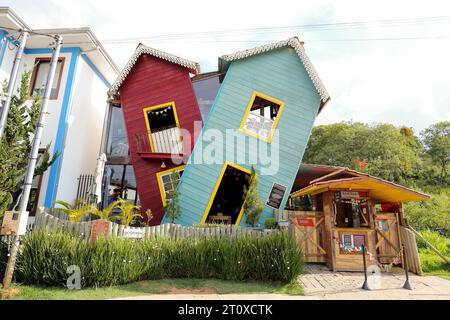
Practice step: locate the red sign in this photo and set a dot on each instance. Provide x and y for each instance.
(305, 222)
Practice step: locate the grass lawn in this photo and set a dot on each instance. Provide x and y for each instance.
(433, 265)
(175, 286)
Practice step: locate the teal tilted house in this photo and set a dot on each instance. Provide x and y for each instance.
(262, 117)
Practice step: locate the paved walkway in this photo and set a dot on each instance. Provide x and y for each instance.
(322, 284)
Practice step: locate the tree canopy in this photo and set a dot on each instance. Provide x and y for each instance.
(384, 150)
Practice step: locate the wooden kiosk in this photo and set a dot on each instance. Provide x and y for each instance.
(337, 210)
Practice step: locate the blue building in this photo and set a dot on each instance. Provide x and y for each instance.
(261, 118)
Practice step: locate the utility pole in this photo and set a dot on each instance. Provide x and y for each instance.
(33, 158)
(12, 83)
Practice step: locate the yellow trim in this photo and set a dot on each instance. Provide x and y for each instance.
(216, 188)
(160, 106)
(160, 184)
(249, 107)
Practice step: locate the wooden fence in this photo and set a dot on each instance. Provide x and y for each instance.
(46, 219)
(412, 253)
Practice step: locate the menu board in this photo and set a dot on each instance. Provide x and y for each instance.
(276, 196)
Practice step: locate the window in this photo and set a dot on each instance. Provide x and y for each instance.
(163, 128)
(39, 76)
(119, 177)
(262, 116)
(168, 182)
(117, 137)
(352, 210)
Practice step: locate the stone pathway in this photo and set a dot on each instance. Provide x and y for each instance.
(321, 283)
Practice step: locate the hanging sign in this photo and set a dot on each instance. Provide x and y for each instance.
(276, 196)
(349, 194)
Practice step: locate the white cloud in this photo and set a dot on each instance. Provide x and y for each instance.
(402, 82)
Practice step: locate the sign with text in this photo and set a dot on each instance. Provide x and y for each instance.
(305, 222)
(276, 196)
(133, 233)
(349, 194)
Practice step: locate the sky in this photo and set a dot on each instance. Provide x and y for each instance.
(372, 72)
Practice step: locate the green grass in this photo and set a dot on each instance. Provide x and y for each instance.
(153, 287)
(434, 265)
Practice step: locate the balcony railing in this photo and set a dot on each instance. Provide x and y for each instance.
(259, 125)
(167, 141)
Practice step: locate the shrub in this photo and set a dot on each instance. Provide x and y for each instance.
(441, 243)
(433, 214)
(271, 223)
(113, 261)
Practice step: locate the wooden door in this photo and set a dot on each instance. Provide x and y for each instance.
(308, 229)
(387, 238)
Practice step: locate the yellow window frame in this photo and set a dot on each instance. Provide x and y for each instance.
(277, 119)
(216, 188)
(160, 183)
(153, 108)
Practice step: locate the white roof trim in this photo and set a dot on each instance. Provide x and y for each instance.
(295, 43)
(142, 49)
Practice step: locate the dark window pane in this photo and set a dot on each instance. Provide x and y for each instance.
(117, 137)
(206, 91)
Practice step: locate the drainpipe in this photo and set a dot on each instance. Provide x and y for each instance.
(33, 158)
(12, 83)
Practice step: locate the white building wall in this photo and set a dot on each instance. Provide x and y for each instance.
(84, 132)
(7, 63)
(54, 111)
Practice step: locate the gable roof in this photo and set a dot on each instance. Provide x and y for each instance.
(381, 190)
(225, 61)
(141, 49)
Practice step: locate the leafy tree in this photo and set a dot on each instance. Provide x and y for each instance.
(15, 146)
(386, 151)
(436, 140)
(253, 206)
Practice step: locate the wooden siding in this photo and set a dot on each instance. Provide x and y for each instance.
(152, 82)
(279, 74)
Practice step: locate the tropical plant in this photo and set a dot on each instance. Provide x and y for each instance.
(45, 256)
(128, 212)
(173, 210)
(15, 146)
(253, 205)
(106, 214)
(77, 210)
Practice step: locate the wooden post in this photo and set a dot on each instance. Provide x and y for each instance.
(11, 262)
(399, 235)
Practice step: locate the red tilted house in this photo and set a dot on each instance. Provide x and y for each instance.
(158, 101)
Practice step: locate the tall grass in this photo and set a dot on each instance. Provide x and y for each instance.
(44, 259)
